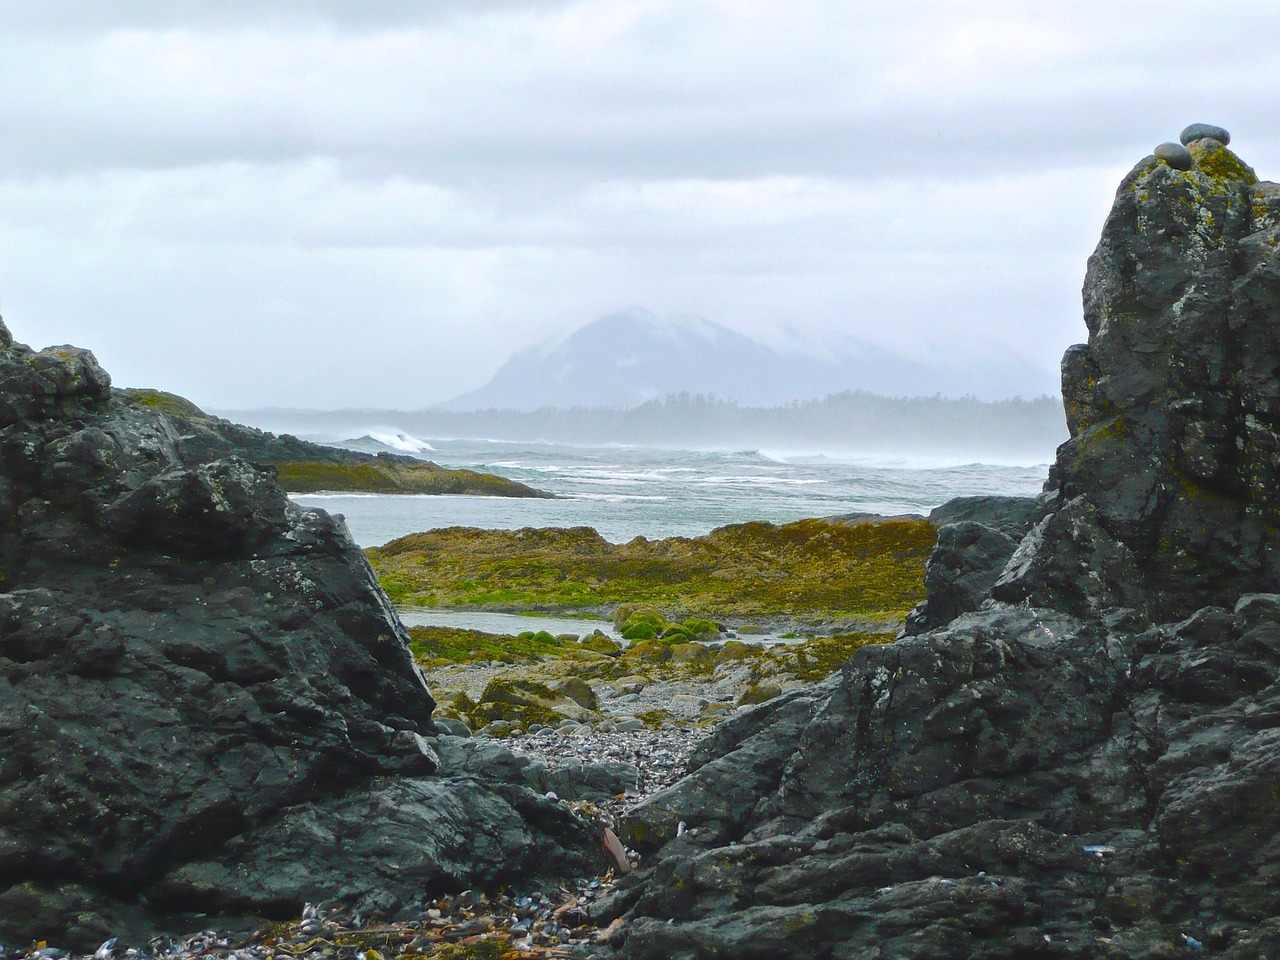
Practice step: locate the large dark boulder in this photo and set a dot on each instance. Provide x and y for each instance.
(206, 702)
(977, 536)
(1083, 762)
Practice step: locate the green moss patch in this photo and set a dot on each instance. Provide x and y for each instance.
(163, 402)
(1221, 163)
(438, 646)
(746, 571)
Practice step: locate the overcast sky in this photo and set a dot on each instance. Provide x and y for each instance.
(337, 204)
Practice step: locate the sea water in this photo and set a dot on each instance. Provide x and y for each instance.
(627, 491)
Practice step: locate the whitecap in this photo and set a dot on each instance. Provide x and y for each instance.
(401, 441)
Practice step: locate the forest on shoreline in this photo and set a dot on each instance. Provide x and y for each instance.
(851, 422)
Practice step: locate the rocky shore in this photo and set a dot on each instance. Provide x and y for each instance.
(208, 711)
(305, 467)
(850, 573)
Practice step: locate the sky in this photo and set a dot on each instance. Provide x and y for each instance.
(333, 204)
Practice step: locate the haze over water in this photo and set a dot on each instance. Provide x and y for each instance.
(628, 491)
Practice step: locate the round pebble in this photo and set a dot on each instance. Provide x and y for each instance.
(1201, 131)
(1175, 155)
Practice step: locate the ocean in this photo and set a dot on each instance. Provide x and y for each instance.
(628, 491)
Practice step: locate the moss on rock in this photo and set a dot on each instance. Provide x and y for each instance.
(842, 573)
(392, 477)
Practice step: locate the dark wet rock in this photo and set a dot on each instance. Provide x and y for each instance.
(977, 536)
(1082, 764)
(568, 780)
(963, 567)
(1013, 516)
(206, 702)
(1201, 131)
(1173, 400)
(1175, 155)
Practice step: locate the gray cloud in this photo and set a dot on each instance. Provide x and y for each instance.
(331, 203)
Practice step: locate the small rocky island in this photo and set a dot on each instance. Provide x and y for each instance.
(305, 467)
(208, 711)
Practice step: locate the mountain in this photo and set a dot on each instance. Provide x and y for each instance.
(628, 358)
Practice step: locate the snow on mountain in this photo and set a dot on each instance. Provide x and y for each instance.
(627, 358)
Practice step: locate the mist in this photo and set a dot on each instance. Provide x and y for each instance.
(848, 425)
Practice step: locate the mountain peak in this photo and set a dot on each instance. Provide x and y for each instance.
(629, 357)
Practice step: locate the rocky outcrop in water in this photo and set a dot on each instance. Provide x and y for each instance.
(305, 467)
(1084, 762)
(206, 704)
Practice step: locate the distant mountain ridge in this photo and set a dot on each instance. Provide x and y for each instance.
(631, 357)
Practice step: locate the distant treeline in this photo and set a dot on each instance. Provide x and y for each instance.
(850, 422)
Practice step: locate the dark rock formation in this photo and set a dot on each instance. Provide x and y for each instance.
(1168, 482)
(206, 704)
(305, 467)
(1086, 764)
(976, 538)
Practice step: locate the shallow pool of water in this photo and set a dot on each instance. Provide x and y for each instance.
(509, 624)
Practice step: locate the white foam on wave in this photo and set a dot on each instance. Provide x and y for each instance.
(398, 440)
(897, 461)
(758, 480)
(768, 456)
(617, 497)
(333, 495)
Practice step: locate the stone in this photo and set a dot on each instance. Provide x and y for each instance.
(449, 726)
(207, 704)
(964, 565)
(1083, 761)
(1175, 155)
(1201, 131)
(615, 853)
(759, 693)
(1013, 516)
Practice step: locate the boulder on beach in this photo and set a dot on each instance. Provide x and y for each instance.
(207, 705)
(1076, 755)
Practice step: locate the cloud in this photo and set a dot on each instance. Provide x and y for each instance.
(330, 203)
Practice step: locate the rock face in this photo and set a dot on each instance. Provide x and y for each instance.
(976, 538)
(1084, 762)
(206, 704)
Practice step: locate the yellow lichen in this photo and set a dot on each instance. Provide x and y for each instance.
(1215, 160)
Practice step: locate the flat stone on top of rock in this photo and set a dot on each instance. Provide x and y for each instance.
(1175, 155)
(1201, 131)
